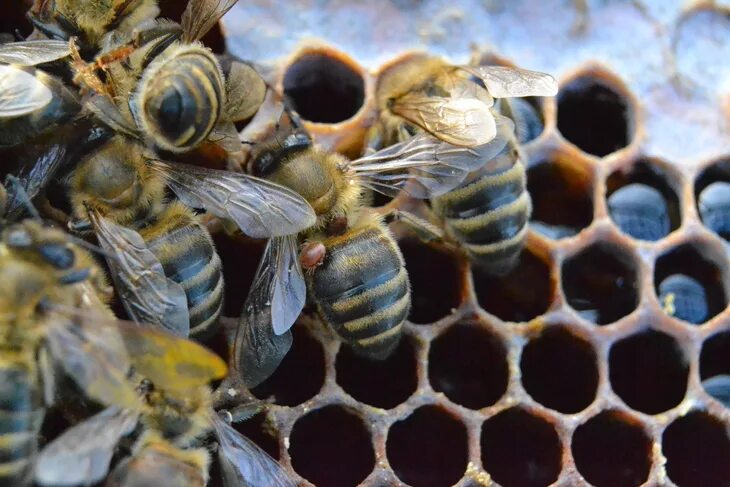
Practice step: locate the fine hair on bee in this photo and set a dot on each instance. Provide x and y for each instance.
(488, 213)
(349, 264)
(90, 21)
(163, 86)
(39, 269)
(117, 182)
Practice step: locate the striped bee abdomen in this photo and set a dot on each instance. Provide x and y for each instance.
(181, 97)
(21, 415)
(188, 256)
(362, 290)
(489, 213)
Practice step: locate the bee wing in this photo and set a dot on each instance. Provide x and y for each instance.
(458, 120)
(147, 294)
(425, 167)
(21, 93)
(177, 363)
(504, 82)
(244, 463)
(94, 356)
(245, 92)
(275, 300)
(225, 136)
(81, 455)
(260, 208)
(104, 109)
(98, 350)
(201, 15)
(31, 53)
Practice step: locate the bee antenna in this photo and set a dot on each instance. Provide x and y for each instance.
(25, 198)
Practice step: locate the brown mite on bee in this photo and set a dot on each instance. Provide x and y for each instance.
(312, 255)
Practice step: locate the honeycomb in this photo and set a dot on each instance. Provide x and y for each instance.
(571, 369)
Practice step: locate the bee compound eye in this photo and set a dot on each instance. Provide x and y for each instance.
(58, 255)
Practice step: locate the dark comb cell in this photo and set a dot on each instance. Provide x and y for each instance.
(684, 298)
(714, 206)
(640, 211)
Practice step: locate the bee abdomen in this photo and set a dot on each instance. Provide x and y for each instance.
(489, 217)
(21, 415)
(182, 98)
(189, 258)
(362, 291)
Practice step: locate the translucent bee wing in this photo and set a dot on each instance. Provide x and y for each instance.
(225, 136)
(260, 208)
(245, 91)
(104, 109)
(505, 82)
(95, 357)
(289, 291)
(31, 53)
(178, 363)
(146, 293)
(461, 121)
(244, 463)
(81, 455)
(201, 15)
(425, 167)
(21, 93)
(719, 388)
(258, 348)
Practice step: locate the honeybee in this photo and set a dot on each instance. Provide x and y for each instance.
(355, 271)
(166, 268)
(53, 315)
(488, 213)
(88, 20)
(169, 451)
(32, 101)
(170, 90)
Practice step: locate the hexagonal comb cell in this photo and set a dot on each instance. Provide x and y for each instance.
(331, 447)
(519, 448)
(300, 375)
(611, 450)
(560, 370)
(508, 298)
(323, 87)
(561, 191)
(712, 193)
(428, 448)
(642, 200)
(648, 371)
(697, 448)
(380, 383)
(426, 264)
(469, 365)
(715, 367)
(689, 283)
(595, 114)
(600, 283)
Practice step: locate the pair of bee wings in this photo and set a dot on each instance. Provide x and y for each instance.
(98, 351)
(464, 118)
(83, 453)
(422, 166)
(260, 208)
(22, 89)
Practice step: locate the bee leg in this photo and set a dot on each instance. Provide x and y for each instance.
(424, 230)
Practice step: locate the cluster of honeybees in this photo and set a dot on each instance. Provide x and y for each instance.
(115, 94)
